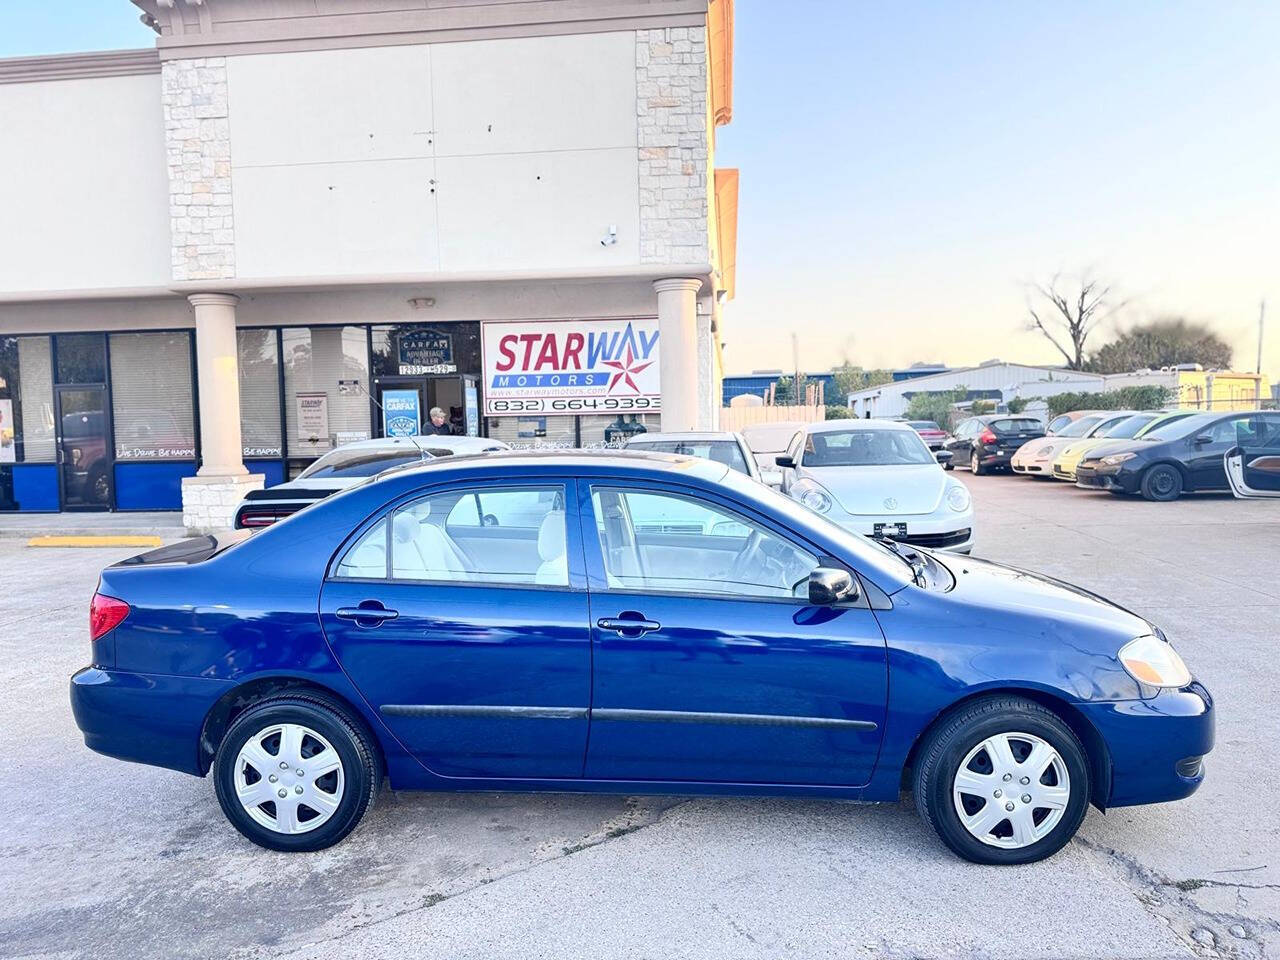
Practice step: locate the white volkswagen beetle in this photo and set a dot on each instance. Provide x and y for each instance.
(876, 477)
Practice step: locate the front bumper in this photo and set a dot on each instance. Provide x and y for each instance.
(953, 534)
(1095, 476)
(1157, 745)
(147, 718)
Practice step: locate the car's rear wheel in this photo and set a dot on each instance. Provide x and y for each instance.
(1003, 781)
(293, 773)
(975, 465)
(1162, 483)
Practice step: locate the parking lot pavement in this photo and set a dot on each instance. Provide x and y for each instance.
(102, 858)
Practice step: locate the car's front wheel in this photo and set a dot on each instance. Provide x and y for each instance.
(293, 773)
(1003, 781)
(1163, 482)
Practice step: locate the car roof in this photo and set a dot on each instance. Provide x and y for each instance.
(642, 438)
(571, 461)
(829, 426)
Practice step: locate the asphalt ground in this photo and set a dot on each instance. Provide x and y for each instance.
(100, 858)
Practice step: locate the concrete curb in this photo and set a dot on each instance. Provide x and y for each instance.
(118, 540)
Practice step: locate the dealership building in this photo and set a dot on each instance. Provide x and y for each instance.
(297, 224)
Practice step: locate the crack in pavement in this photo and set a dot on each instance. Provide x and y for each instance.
(637, 818)
(1237, 934)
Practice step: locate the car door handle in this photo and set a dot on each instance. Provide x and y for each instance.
(628, 627)
(370, 613)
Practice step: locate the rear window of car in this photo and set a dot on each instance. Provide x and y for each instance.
(358, 463)
(1016, 425)
(721, 451)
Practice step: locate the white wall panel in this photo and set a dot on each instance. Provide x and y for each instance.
(541, 210)
(84, 194)
(330, 105)
(334, 219)
(535, 93)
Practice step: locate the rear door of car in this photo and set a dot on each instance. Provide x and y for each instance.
(709, 662)
(462, 617)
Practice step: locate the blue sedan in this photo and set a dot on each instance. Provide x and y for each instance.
(627, 623)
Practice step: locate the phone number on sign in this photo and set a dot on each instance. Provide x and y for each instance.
(538, 405)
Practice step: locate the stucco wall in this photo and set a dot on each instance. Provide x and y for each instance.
(490, 154)
(83, 191)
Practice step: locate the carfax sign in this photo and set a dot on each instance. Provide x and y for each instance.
(401, 414)
(570, 366)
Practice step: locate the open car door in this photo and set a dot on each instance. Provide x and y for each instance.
(1253, 462)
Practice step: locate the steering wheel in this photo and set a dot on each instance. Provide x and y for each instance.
(746, 559)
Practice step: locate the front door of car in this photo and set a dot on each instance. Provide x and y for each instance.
(1206, 458)
(462, 618)
(960, 443)
(710, 664)
(1253, 462)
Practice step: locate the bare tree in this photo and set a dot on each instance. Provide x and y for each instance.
(1071, 310)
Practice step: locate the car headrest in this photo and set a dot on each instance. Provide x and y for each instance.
(551, 536)
(405, 527)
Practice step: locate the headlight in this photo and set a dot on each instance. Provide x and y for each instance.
(958, 498)
(1115, 458)
(1154, 662)
(812, 496)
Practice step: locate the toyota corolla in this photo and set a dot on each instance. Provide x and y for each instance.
(553, 622)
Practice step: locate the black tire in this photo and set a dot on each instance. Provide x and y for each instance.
(951, 741)
(975, 466)
(1162, 483)
(361, 769)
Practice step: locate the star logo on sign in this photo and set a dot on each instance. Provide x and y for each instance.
(626, 368)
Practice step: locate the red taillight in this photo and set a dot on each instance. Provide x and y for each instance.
(986, 436)
(105, 613)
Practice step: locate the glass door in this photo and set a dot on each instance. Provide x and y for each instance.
(402, 406)
(84, 449)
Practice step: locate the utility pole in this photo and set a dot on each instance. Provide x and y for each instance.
(1262, 315)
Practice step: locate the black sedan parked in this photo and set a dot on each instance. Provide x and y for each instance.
(1188, 455)
(987, 442)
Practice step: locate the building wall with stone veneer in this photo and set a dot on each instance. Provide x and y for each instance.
(198, 145)
(673, 140)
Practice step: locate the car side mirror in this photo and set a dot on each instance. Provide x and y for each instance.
(1203, 438)
(785, 461)
(829, 585)
(943, 456)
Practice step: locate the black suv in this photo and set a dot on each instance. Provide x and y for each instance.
(987, 442)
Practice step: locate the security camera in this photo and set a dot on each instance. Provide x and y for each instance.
(610, 238)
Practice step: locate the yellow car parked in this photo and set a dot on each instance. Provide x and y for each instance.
(1064, 464)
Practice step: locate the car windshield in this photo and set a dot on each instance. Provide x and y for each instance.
(1016, 425)
(865, 448)
(1127, 429)
(1080, 427)
(1179, 428)
(721, 451)
(923, 425)
(360, 463)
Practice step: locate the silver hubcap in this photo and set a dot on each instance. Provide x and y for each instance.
(1011, 790)
(289, 778)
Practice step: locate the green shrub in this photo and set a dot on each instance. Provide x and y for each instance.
(1017, 404)
(838, 413)
(937, 406)
(1126, 398)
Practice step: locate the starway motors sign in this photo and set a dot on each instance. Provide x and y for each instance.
(570, 366)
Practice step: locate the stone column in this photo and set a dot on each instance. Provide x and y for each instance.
(210, 498)
(678, 343)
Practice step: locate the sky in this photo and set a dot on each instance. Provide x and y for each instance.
(908, 169)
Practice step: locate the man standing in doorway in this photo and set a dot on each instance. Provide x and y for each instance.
(439, 424)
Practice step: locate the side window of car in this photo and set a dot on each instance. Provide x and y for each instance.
(658, 542)
(501, 536)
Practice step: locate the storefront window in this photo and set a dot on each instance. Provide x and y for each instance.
(326, 380)
(82, 358)
(26, 410)
(259, 365)
(151, 397)
(603, 430)
(534, 431)
(414, 349)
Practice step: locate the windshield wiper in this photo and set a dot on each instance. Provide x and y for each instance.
(910, 557)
